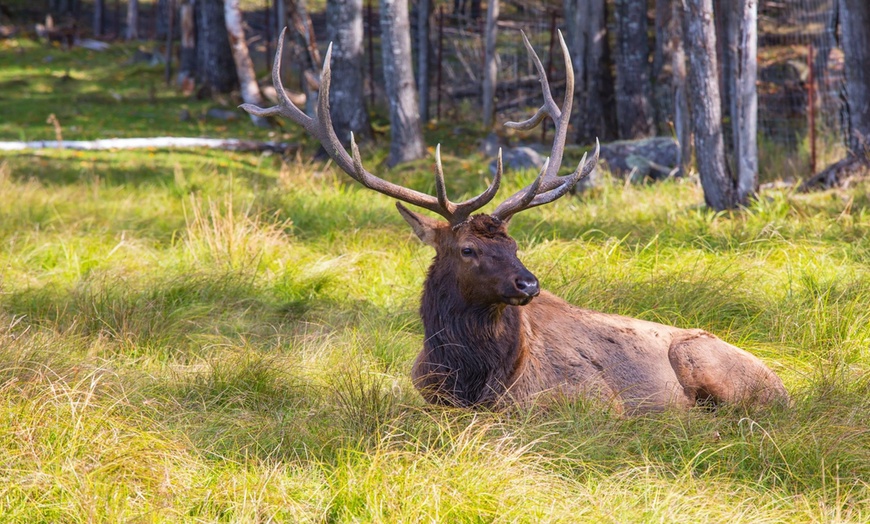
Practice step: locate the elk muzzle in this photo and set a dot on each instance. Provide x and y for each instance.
(525, 288)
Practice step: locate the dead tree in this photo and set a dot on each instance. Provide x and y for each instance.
(705, 106)
(406, 136)
(344, 28)
(490, 68)
(244, 66)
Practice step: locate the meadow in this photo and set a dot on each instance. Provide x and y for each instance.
(205, 336)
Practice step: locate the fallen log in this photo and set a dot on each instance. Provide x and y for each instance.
(160, 142)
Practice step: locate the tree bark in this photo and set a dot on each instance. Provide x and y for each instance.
(244, 66)
(344, 28)
(490, 68)
(662, 76)
(576, 37)
(187, 65)
(633, 87)
(682, 124)
(596, 117)
(133, 20)
(705, 105)
(424, 9)
(855, 27)
(743, 51)
(406, 138)
(307, 54)
(216, 70)
(99, 17)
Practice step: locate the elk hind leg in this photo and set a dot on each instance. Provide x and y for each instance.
(713, 371)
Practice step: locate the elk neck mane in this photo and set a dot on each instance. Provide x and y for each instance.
(471, 351)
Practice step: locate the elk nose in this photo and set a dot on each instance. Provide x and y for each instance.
(528, 284)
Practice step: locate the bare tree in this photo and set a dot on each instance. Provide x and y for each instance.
(855, 27)
(406, 137)
(587, 38)
(344, 28)
(214, 60)
(187, 65)
(699, 37)
(424, 10)
(306, 54)
(663, 102)
(99, 17)
(133, 20)
(490, 69)
(682, 125)
(855, 34)
(634, 110)
(743, 53)
(244, 67)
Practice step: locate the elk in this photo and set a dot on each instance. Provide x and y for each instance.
(493, 338)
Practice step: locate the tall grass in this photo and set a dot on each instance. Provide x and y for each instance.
(216, 337)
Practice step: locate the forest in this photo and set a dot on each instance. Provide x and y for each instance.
(212, 311)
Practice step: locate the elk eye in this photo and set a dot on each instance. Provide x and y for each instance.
(467, 251)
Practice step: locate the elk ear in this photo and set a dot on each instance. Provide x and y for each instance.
(424, 227)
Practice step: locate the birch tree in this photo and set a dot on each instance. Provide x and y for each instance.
(344, 28)
(406, 137)
(699, 38)
(242, 58)
(490, 68)
(132, 19)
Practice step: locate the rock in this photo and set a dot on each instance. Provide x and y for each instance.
(654, 157)
(184, 115)
(517, 159)
(222, 114)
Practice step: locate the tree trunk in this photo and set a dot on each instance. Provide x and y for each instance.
(280, 16)
(633, 87)
(244, 67)
(855, 27)
(682, 125)
(424, 9)
(576, 37)
(663, 100)
(490, 69)
(306, 54)
(406, 138)
(216, 70)
(726, 43)
(743, 51)
(597, 115)
(705, 105)
(99, 17)
(162, 19)
(344, 28)
(133, 20)
(187, 65)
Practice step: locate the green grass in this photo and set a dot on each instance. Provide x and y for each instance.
(198, 336)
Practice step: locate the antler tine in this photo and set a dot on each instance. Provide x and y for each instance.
(321, 129)
(548, 186)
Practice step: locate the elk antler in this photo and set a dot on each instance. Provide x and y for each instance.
(321, 129)
(548, 186)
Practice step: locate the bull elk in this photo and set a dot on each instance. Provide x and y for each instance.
(493, 337)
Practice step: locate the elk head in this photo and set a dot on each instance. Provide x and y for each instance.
(476, 250)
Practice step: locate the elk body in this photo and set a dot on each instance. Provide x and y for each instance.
(493, 338)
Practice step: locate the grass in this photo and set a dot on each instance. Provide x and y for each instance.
(200, 336)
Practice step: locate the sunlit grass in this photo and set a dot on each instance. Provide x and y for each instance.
(200, 336)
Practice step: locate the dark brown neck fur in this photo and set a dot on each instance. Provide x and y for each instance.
(471, 352)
